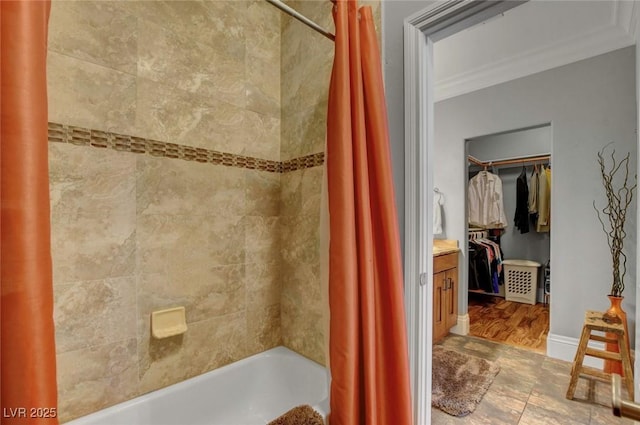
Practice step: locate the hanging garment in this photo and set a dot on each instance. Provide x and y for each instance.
(521, 218)
(480, 265)
(473, 271)
(548, 203)
(497, 253)
(495, 262)
(437, 213)
(486, 205)
(491, 256)
(533, 197)
(544, 200)
(485, 265)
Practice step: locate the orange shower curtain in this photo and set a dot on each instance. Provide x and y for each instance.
(367, 342)
(27, 350)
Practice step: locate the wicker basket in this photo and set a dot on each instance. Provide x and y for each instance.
(521, 280)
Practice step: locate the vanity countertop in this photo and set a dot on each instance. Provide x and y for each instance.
(444, 246)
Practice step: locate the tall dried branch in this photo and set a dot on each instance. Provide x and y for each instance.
(618, 202)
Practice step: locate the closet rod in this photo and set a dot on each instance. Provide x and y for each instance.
(520, 160)
(300, 17)
(475, 160)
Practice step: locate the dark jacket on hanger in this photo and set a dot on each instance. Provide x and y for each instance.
(521, 219)
(480, 267)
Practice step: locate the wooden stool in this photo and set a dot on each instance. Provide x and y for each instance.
(593, 322)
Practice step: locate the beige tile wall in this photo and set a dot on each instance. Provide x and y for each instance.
(133, 233)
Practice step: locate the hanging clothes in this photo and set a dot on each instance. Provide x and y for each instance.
(533, 197)
(544, 200)
(485, 265)
(473, 270)
(486, 204)
(479, 267)
(496, 263)
(548, 172)
(438, 201)
(521, 218)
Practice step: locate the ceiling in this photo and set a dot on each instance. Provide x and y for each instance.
(533, 37)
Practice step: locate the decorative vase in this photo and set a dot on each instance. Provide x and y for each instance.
(615, 314)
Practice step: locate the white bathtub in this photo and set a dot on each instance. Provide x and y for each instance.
(252, 391)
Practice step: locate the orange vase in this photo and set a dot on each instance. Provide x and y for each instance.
(615, 314)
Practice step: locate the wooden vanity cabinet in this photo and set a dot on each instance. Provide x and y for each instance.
(445, 294)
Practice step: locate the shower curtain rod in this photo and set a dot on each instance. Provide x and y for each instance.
(300, 17)
(519, 160)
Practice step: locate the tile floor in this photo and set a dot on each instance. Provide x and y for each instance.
(530, 390)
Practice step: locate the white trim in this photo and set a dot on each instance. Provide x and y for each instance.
(598, 41)
(636, 366)
(411, 272)
(417, 303)
(419, 31)
(463, 325)
(564, 348)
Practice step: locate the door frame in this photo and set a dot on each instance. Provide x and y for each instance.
(421, 30)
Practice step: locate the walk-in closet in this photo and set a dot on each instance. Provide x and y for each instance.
(509, 233)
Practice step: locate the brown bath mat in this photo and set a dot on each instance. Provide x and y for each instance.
(459, 380)
(300, 415)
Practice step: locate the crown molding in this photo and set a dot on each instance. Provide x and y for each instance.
(618, 32)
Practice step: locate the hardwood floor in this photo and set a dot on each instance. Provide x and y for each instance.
(512, 323)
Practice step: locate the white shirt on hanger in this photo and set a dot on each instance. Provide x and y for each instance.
(486, 204)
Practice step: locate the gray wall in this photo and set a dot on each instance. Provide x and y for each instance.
(512, 144)
(589, 104)
(588, 107)
(393, 15)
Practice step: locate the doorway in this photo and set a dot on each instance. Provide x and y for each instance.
(421, 31)
(508, 265)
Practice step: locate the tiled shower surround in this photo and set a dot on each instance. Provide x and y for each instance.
(187, 139)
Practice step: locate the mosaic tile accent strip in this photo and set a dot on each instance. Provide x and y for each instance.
(302, 162)
(61, 133)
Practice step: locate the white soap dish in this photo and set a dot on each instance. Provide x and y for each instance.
(169, 322)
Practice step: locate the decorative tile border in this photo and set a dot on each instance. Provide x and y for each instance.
(302, 162)
(61, 133)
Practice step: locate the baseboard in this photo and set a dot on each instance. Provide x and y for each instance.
(462, 327)
(564, 348)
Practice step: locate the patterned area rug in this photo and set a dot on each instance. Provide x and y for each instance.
(460, 380)
(301, 415)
